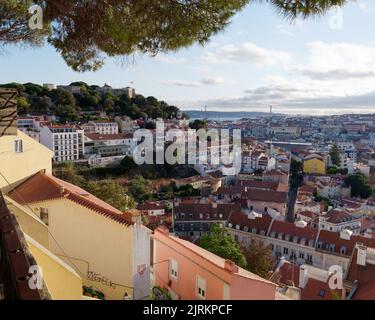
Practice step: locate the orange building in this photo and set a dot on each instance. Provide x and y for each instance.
(189, 272)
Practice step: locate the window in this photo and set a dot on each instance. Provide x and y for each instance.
(286, 251)
(44, 215)
(201, 288)
(18, 146)
(301, 255)
(174, 269)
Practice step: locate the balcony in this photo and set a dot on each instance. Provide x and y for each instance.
(15, 261)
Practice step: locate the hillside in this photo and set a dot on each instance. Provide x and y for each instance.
(87, 103)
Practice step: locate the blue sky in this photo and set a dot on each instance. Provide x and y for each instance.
(323, 65)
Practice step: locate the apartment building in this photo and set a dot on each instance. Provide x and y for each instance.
(109, 145)
(105, 127)
(66, 141)
(298, 242)
(189, 272)
(314, 164)
(336, 220)
(195, 219)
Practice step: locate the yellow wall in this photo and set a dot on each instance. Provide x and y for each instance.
(18, 166)
(29, 222)
(94, 243)
(314, 166)
(62, 281)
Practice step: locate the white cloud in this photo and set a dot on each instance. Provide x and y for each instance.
(247, 52)
(181, 83)
(170, 59)
(208, 81)
(365, 6)
(213, 81)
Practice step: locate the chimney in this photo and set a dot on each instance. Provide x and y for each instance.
(361, 255)
(346, 234)
(214, 205)
(303, 277)
(230, 266)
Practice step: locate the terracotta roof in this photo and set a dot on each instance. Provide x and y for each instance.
(44, 187)
(275, 173)
(230, 190)
(327, 238)
(101, 137)
(290, 232)
(241, 219)
(308, 214)
(306, 189)
(338, 216)
(254, 184)
(365, 275)
(264, 195)
(147, 206)
(313, 290)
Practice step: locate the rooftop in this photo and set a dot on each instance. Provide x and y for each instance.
(44, 187)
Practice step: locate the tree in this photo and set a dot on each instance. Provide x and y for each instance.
(111, 192)
(296, 173)
(219, 242)
(259, 258)
(140, 188)
(66, 171)
(84, 32)
(198, 124)
(128, 163)
(359, 185)
(23, 105)
(335, 155)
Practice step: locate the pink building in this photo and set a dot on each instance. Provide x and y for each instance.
(189, 272)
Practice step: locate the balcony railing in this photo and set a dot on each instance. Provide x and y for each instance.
(15, 261)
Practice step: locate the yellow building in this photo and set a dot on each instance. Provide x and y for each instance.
(110, 249)
(314, 164)
(21, 157)
(61, 282)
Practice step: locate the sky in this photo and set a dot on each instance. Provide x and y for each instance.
(316, 66)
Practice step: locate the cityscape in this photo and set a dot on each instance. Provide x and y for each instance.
(108, 192)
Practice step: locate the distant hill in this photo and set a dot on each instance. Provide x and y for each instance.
(196, 114)
(79, 105)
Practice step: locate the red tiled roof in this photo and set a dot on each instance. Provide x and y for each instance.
(264, 195)
(313, 290)
(365, 275)
(306, 189)
(308, 214)
(241, 219)
(147, 206)
(101, 137)
(254, 184)
(275, 173)
(338, 216)
(327, 238)
(44, 187)
(281, 228)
